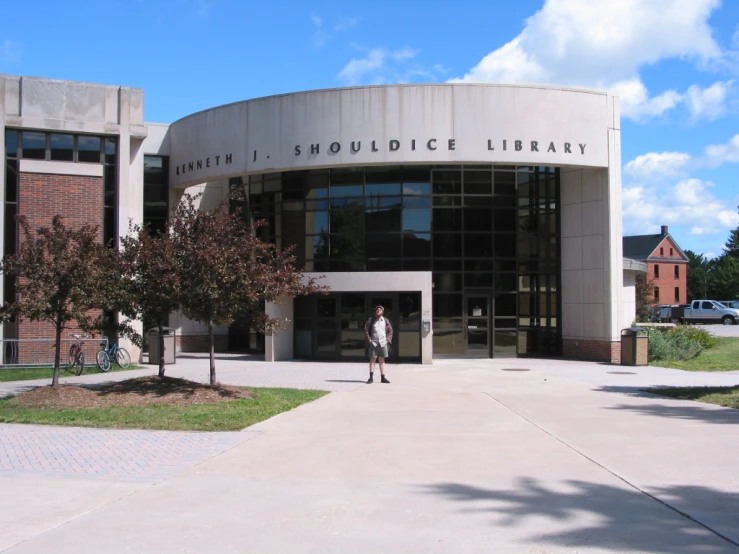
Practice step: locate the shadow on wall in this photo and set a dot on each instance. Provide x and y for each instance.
(604, 516)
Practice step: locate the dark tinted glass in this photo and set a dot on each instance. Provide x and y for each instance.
(417, 220)
(447, 182)
(11, 142)
(88, 149)
(505, 182)
(478, 219)
(447, 305)
(447, 220)
(417, 245)
(11, 180)
(447, 246)
(478, 182)
(111, 151)
(34, 145)
(62, 147)
(416, 188)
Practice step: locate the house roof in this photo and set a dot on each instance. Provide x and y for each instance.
(641, 247)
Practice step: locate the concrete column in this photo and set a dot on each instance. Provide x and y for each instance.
(280, 346)
(2, 191)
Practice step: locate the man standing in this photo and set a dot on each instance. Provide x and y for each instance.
(379, 335)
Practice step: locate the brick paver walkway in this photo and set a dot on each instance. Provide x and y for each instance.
(120, 455)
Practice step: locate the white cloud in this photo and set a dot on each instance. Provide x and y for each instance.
(321, 35)
(688, 204)
(10, 53)
(605, 44)
(380, 65)
(708, 103)
(345, 23)
(718, 154)
(656, 165)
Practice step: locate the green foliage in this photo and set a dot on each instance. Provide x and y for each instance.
(65, 277)
(678, 344)
(228, 272)
(698, 270)
(728, 397)
(724, 279)
(644, 296)
(151, 277)
(722, 357)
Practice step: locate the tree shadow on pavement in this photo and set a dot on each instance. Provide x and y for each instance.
(674, 408)
(619, 518)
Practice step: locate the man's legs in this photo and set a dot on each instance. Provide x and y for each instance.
(382, 370)
(372, 369)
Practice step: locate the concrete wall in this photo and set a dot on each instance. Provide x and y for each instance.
(279, 346)
(629, 298)
(394, 124)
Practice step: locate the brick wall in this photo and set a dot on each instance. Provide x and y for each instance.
(592, 350)
(79, 200)
(667, 257)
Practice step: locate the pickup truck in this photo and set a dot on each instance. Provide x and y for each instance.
(709, 311)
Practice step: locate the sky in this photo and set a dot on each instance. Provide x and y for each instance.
(674, 64)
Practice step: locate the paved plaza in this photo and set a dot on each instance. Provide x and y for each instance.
(462, 456)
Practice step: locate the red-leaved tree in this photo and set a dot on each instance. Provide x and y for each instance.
(227, 272)
(151, 278)
(64, 277)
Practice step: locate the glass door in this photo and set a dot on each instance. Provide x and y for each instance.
(477, 325)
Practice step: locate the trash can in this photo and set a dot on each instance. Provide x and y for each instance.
(634, 346)
(169, 346)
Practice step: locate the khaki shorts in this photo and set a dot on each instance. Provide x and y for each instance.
(378, 351)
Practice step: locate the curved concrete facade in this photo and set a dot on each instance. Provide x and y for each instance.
(432, 124)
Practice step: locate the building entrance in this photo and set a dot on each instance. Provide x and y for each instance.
(476, 325)
(331, 327)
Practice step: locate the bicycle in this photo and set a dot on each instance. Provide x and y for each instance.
(77, 356)
(110, 353)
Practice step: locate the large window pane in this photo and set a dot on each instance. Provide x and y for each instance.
(447, 182)
(447, 220)
(476, 219)
(448, 305)
(111, 151)
(62, 147)
(505, 183)
(34, 145)
(447, 246)
(417, 220)
(11, 142)
(478, 182)
(416, 245)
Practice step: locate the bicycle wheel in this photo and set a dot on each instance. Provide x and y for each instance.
(79, 363)
(72, 354)
(123, 358)
(102, 360)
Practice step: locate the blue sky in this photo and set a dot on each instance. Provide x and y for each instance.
(675, 64)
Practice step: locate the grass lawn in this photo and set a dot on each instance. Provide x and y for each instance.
(722, 357)
(221, 416)
(28, 373)
(727, 397)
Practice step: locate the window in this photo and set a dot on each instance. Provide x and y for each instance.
(661, 251)
(656, 294)
(62, 147)
(677, 295)
(670, 251)
(677, 272)
(656, 271)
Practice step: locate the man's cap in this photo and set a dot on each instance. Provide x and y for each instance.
(379, 307)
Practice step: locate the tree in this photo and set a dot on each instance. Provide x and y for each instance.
(731, 248)
(152, 279)
(644, 295)
(724, 279)
(698, 271)
(63, 278)
(227, 272)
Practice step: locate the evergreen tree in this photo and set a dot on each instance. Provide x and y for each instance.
(698, 270)
(731, 248)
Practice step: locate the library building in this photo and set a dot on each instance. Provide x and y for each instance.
(486, 219)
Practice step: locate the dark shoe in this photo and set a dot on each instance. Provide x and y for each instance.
(370, 380)
(384, 380)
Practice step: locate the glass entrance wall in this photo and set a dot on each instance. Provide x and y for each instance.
(332, 326)
(477, 228)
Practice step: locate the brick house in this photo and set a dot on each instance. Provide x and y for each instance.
(668, 265)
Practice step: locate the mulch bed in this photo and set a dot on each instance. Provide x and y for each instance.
(144, 391)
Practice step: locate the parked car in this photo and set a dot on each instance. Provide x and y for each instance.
(710, 311)
(674, 313)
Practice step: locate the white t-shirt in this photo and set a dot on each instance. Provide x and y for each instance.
(378, 332)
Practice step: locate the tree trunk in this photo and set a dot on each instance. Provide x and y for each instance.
(212, 354)
(57, 355)
(161, 350)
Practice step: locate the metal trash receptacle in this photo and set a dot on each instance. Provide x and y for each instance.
(634, 346)
(170, 354)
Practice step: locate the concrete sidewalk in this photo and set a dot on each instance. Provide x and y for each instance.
(459, 457)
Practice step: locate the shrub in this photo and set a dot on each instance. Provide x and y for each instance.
(674, 345)
(703, 337)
